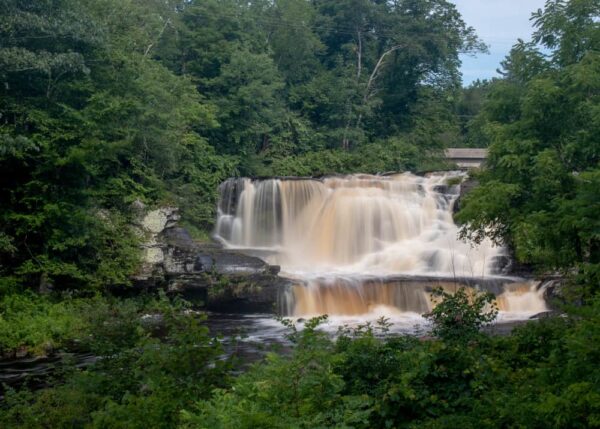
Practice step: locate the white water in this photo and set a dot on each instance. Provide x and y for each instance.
(333, 233)
(356, 225)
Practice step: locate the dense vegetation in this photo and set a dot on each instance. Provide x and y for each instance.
(540, 190)
(545, 374)
(107, 102)
(155, 356)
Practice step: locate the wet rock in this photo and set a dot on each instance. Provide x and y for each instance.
(442, 189)
(545, 315)
(246, 294)
(180, 238)
(233, 262)
(502, 265)
(137, 207)
(46, 286)
(216, 278)
(448, 189)
(466, 186)
(203, 263)
(553, 288)
(156, 221)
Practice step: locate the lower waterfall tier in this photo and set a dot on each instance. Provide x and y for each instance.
(361, 297)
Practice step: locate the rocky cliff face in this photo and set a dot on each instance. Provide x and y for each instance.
(150, 227)
(220, 279)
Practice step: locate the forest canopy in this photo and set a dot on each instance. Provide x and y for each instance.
(105, 102)
(539, 191)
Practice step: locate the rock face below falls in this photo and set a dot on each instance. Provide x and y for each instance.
(223, 280)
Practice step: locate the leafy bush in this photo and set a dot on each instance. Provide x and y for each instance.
(37, 325)
(459, 316)
(145, 372)
(539, 190)
(545, 374)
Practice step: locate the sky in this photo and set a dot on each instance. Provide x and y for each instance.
(499, 23)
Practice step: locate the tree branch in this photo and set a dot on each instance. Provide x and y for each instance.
(149, 48)
(376, 70)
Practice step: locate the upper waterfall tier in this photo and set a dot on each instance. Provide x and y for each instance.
(357, 224)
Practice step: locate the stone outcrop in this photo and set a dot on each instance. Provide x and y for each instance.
(554, 289)
(150, 226)
(218, 278)
(466, 186)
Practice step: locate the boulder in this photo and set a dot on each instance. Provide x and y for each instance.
(466, 186)
(150, 227)
(217, 278)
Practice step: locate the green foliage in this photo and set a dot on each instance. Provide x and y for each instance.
(472, 124)
(391, 155)
(540, 187)
(38, 325)
(33, 323)
(459, 316)
(154, 357)
(89, 123)
(543, 374)
(160, 367)
(291, 77)
(302, 391)
(103, 103)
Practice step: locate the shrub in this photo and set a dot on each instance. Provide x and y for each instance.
(459, 316)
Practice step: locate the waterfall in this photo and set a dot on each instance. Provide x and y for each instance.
(335, 232)
(357, 297)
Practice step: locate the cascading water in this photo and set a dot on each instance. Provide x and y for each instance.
(345, 237)
(392, 297)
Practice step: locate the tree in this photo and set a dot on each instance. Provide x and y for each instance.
(544, 124)
(459, 316)
(89, 123)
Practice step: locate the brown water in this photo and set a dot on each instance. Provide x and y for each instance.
(354, 297)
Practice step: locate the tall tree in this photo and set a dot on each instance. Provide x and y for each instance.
(540, 189)
(90, 122)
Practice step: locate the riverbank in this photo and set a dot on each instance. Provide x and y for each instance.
(147, 373)
(245, 338)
